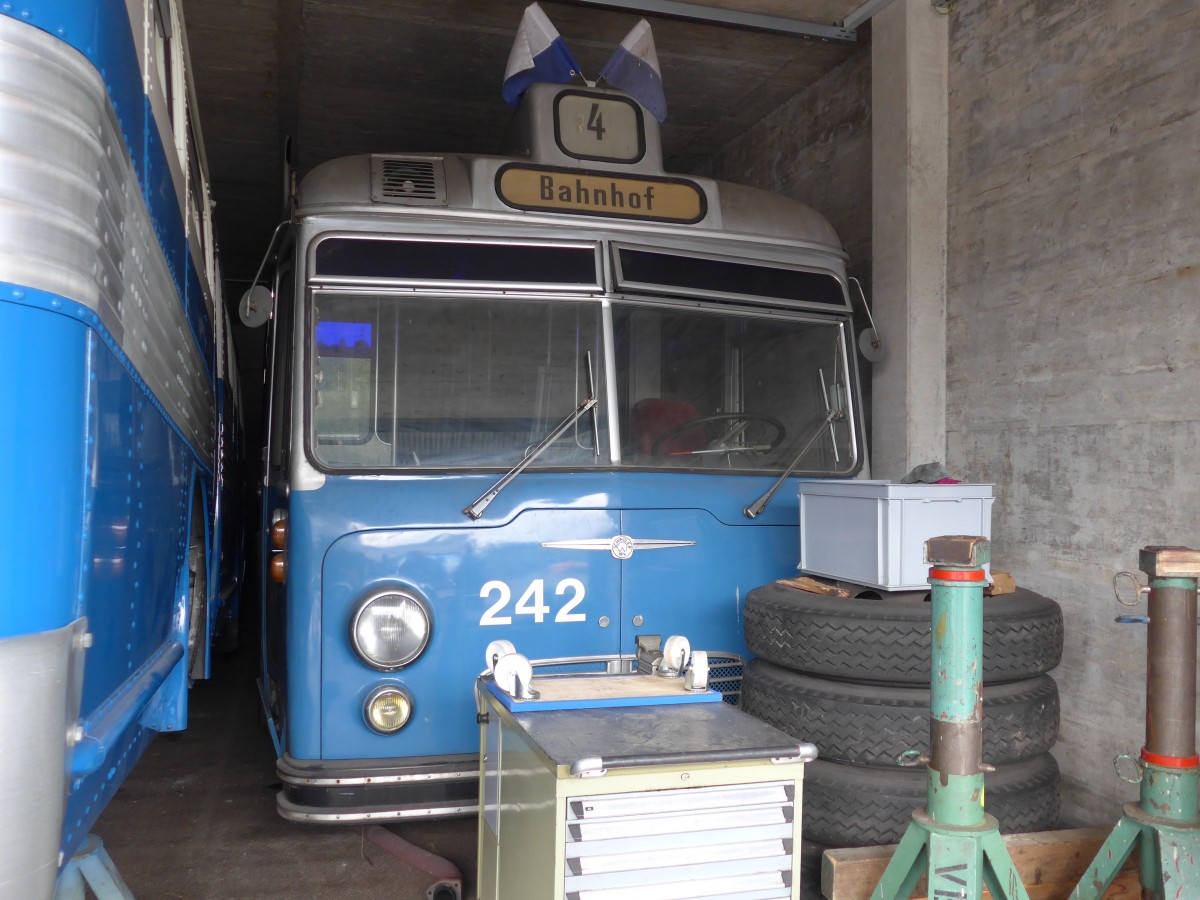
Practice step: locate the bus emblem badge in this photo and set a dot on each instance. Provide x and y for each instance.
(622, 547)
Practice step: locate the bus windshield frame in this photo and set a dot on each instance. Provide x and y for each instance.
(423, 382)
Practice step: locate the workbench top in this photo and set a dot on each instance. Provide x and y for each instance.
(682, 734)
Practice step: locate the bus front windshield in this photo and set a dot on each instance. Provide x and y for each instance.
(411, 382)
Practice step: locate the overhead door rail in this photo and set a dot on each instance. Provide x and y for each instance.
(845, 31)
(711, 15)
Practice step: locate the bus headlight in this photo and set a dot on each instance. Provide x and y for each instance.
(387, 709)
(390, 629)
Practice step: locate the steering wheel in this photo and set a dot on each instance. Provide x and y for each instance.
(736, 425)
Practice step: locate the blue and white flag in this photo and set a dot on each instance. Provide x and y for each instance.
(633, 68)
(538, 54)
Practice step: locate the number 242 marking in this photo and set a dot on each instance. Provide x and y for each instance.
(532, 602)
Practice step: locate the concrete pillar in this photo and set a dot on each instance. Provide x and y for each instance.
(909, 63)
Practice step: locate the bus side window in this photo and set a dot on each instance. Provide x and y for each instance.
(343, 376)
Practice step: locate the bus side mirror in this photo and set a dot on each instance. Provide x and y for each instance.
(255, 306)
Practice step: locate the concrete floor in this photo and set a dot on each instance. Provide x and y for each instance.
(197, 818)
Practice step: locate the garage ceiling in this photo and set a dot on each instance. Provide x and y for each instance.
(355, 76)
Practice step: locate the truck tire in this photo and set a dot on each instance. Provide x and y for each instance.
(872, 724)
(859, 806)
(886, 641)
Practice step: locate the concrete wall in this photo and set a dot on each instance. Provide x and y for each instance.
(816, 149)
(1073, 327)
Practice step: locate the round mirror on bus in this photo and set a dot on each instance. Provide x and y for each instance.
(255, 306)
(870, 345)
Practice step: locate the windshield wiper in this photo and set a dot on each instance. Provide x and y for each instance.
(475, 510)
(834, 415)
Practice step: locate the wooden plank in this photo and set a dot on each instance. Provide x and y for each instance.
(1050, 864)
(1002, 583)
(804, 583)
(604, 687)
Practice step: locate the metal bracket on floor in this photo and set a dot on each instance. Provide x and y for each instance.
(91, 867)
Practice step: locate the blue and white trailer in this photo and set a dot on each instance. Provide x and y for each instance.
(114, 449)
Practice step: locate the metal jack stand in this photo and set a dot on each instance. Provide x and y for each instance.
(91, 867)
(1165, 824)
(953, 840)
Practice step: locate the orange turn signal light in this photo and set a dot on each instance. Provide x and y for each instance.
(279, 533)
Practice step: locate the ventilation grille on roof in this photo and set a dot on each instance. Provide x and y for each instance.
(411, 180)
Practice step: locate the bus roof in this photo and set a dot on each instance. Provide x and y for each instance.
(557, 172)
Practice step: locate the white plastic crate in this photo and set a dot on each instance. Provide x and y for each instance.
(873, 533)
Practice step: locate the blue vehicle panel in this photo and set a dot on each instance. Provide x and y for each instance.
(44, 354)
(132, 447)
(679, 591)
(481, 584)
(521, 581)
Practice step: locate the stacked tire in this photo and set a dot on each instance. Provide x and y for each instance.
(851, 675)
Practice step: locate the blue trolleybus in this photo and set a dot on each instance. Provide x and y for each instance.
(557, 397)
(117, 413)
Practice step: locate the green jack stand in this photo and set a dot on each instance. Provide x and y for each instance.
(953, 841)
(1165, 823)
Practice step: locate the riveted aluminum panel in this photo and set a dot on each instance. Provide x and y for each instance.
(77, 225)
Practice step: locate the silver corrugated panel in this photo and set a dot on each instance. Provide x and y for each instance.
(75, 223)
(732, 841)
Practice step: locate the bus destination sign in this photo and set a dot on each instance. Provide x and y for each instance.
(548, 189)
(596, 126)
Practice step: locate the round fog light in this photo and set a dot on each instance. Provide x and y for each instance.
(388, 709)
(390, 629)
